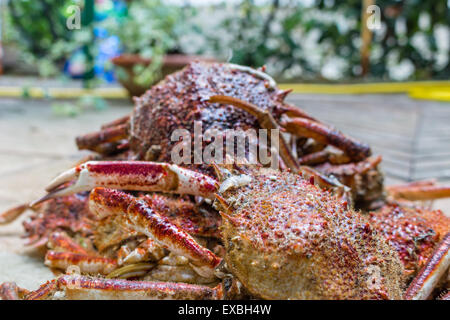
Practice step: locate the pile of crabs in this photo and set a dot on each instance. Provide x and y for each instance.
(127, 223)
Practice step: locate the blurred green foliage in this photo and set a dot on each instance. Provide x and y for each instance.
(39, 29)
(151, 29)
(295, 39)
(280, 34)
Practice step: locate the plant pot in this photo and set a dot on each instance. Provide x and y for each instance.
(171, 63)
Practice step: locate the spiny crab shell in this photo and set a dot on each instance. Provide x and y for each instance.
(182, 98)
(286, 238)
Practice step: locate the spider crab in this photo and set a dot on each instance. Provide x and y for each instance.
(285, 237)
(280, 232)
(100, 238)
(220, 96)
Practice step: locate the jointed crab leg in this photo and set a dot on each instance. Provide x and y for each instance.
(148, 250)
(131, 175)
(10, 291)
(431, 273)
(109, 134)
(326, 135)
(59, 241)
(116, 122)
(74, 287)
(146, 220)
(415, 192)
(266, 121)
(12, 214)
(87, 264)
(294, 111)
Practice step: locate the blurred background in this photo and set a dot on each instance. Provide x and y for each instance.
(376, 69)
(302, 40)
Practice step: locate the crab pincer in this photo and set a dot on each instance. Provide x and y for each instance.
(131, 175)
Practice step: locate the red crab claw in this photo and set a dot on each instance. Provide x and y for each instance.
(144, 219)
(131, 175)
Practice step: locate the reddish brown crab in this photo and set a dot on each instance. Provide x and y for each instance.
(281, 231)
(213, 94)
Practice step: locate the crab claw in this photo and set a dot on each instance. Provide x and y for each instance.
(131, 175)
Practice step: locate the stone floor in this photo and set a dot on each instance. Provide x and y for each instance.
(35, 145)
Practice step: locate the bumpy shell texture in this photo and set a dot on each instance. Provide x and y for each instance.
(288, 239)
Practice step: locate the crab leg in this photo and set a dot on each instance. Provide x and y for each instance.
(431, 273)
(91, 141)
(86, 264)
(265, 120)
(314, 158)
(426, 191)
(326, 135)
(149, 250)
(10, 291)
(295, 112)
(144, 219)
(116, 122)
(59, 241)
(74, 287)
(131, 175)
(12, 214)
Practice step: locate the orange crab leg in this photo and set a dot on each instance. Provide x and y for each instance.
(44, 291)
(419, 192)
(265, 120)
(87, 264)
(74, 287)
(59, 241)
(431, 273)
(350, 169)
(10, 291)
(116, 122)
(296, 112)
(91, 141)
(148, 250)
(314, 158)
(145, 220)
(326, 135)
(12, 214)
(132, 175)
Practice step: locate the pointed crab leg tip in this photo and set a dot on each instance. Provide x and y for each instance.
(222, 201)
(34, 203)
(64, 177)
(56, 193)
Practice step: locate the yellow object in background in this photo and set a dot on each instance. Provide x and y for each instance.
(430, 90)
(434, 93)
